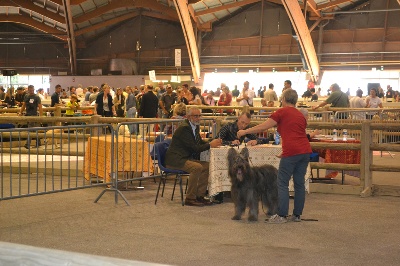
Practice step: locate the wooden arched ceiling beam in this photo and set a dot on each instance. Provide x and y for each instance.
(188, 32)
(150, 4)
(28, 21)
(224, 7)
(73, 2)
(71, 35)
(331, 4)
(299, 24)
(30, 6)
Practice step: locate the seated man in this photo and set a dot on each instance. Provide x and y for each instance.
(228, 132)
(184, 154)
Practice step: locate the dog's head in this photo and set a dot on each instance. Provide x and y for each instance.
(238, 164)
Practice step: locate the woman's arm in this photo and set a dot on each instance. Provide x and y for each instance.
(259, 128)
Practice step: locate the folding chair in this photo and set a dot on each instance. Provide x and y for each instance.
(160, 149)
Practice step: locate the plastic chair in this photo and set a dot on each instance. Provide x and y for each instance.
(160, 151)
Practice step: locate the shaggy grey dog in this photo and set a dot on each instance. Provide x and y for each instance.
(250, 184)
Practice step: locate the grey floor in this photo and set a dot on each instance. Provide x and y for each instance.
(350, 230)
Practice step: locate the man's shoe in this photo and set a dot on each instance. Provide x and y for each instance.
(193, 202)
(206, 202)
(294, 218)
(276, 219)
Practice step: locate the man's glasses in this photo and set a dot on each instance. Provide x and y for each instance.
(196, 116)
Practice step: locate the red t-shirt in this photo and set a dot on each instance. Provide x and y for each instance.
(292, 128)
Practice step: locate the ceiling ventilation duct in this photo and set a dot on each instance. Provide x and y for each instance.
(120, 66)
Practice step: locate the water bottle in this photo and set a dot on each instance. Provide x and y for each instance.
(334, 135)
(277, 138)
(344, 134)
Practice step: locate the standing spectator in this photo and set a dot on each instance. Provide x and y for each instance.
(93, 96)
(296, 150)
(72, 90)
(32, 103)
(88, 93)
(55, 98)
(10, 98)
(160, 90)
(130, 104)
(181, 97)
(396, 96)
(64, 94)
(319, 92)
(358, 102)
(130, 109)
(307, 93)
(148, 109)
(186, 92)
(20, 96)
(373, 101)
(104, 103)
(73, 106)
(2, 93)
(262, 92)
(287, 85)
(196, 100)
(314, 96)
(79, 91)
(270, 94)
(336, 99)
(119, 103)
(40, 93)
(209, 100)
(389, 92)
(245, 98)
(225, 100)
(166, 102)
(184, 154)
(235, 92)
(381, 94)
(218, 91)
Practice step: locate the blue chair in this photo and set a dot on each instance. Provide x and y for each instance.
(160, 149)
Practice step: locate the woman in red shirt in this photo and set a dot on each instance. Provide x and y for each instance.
(225, 99)
(296, 149)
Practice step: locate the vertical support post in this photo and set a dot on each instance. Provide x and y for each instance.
(366, 159)
(94, 119)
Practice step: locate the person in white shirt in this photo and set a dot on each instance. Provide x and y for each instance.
(373, 101)
(358, 102)
(246, 96)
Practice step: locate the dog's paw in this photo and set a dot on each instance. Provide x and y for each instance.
(252, 219)
(236, 217)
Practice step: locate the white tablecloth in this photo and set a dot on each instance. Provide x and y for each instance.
(259, 155)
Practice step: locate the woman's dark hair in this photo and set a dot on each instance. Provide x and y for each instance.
(194, 91)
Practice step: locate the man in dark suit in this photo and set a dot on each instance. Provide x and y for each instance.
(184, 154)
(148, 109)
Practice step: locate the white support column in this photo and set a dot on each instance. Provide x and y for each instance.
(190, 38)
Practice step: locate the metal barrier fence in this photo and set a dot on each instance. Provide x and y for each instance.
(112, 153)
(41, 160)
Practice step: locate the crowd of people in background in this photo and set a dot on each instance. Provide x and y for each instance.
(149, 102)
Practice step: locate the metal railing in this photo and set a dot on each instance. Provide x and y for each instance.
(70, 157)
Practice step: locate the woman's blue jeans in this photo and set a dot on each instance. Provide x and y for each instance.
(295, 166)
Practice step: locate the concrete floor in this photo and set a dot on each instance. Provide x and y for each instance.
(350, 230)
